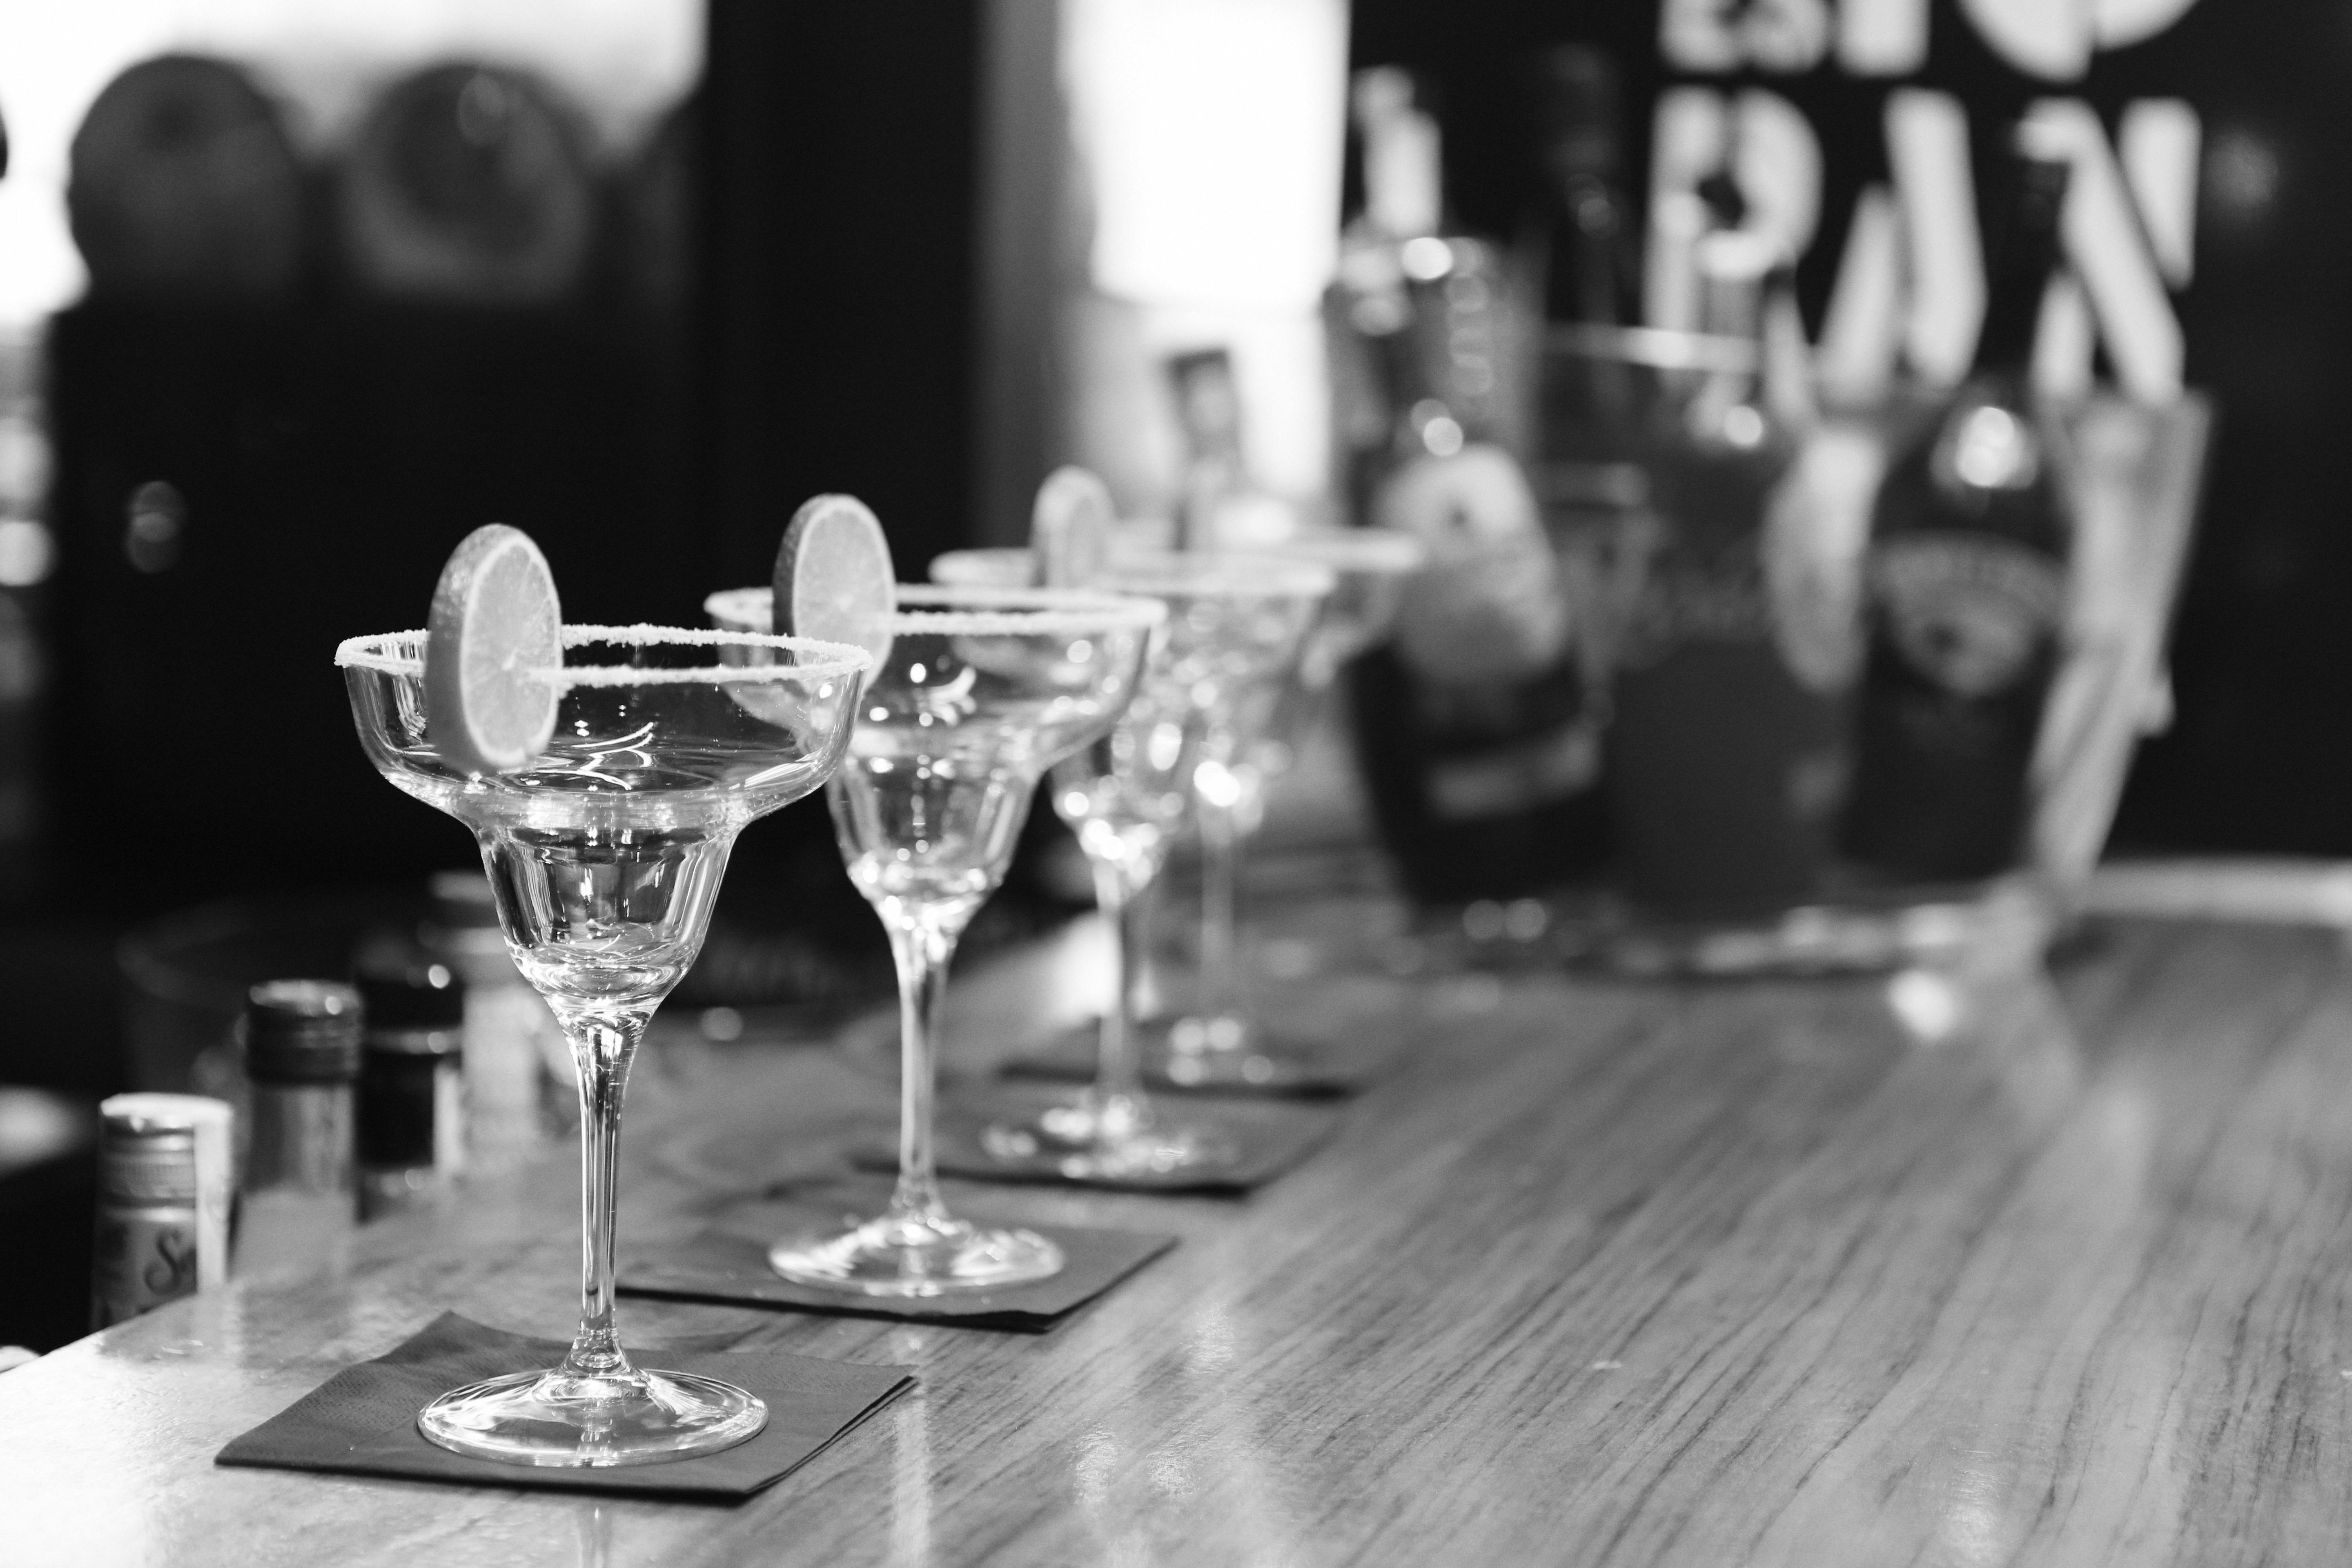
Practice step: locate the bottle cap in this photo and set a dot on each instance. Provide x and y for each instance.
(302, 1031)
(148, 1150)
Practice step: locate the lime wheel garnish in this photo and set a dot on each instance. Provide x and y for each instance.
(494, 634)
(834, 580)
(1070, 527)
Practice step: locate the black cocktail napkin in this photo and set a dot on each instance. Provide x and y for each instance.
(729, 1262)
(363, 1420)
(1281, 1063)
(1265, 1137)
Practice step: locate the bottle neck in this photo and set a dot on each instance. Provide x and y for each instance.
(1732, 308)
(2023, 263)
(1582, 232)
(301, 1137)
(2012, 320)
(1404, 179)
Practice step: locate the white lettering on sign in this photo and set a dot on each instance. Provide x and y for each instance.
(1688, 134)
(2047, 38)
(2063, 339)
(1789, 36)
(1927, 147)
(2116, 23)
(2054, 38)
(1698, 35)
(1769, 149)
(1777, 160)
(1784, 36)
(1913, 256)
(2104, 247)
(2159, 142)
(1882, 37)
(1863, 328)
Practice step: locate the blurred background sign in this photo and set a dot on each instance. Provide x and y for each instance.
(2224, 166)
(291, 296)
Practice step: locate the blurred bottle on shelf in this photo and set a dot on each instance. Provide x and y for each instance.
(298, 1187)
(1581, 268)
(1579, 238)
(1726, 750)
(469, 185)
(412, 1089)
(28, 553)
(1966, 585)
(184, 187)
(1219, 505)
(1478, 743)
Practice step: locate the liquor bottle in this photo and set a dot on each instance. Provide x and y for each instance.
(1587, 466)
(1478, 748)
(297, 1195)
(1965, 589)
(163, 1203)
(1725, 756)
(1579, 243)
(412, 1088)
(1219, 505)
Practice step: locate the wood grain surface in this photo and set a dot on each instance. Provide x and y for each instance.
(1973, 1267)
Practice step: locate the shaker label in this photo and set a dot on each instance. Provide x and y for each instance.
(1968, 611)
(146, 1258)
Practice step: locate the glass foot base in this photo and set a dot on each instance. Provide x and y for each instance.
(545, 1418)
(1091, 1142)
(907, 1255)
(1209, 1052)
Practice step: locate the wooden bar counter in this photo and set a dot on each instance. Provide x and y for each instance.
(1970, 1269)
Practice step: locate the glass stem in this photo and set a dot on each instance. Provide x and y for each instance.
(922, 949)
(602, 1045)
(1118, 1071)
(1220, 852)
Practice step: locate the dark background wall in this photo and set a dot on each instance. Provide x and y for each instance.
(840, 282)
(325, 450)
(838, 305)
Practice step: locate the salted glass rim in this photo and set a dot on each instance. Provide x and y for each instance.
(831, 660)
(1006, 611)
(980, 554)
(1267, 572)
(1225, 574)
(1376, 552)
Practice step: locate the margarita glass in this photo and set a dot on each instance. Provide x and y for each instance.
(987, 566)
(1236, 626)
(605, 853)
(1219, 1042)
(981, 692)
